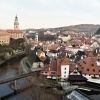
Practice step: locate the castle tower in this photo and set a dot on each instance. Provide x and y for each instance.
(16, 23)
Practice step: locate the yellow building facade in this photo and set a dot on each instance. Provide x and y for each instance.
(4, 37)
(66, 38)
(15, 34)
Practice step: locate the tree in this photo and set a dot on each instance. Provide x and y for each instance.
(22, 46)
(15, 43)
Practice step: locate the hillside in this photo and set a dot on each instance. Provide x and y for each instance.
(98, 32)
(88, 28)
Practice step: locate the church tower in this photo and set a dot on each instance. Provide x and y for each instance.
(16, 23)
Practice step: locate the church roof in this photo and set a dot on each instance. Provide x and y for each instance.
(4, 32)
(14, 31)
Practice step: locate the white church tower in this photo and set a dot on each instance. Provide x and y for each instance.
(36, 37)
(16, 23)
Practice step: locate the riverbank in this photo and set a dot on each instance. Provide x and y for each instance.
(10, 59)
(43, 85)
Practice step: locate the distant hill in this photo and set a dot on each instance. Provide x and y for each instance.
(88, 28)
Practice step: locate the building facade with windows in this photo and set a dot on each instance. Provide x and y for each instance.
(15, 33)
(4, 37)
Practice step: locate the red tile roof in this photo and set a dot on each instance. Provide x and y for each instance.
(88, 66)
(4, 32)
(14, 31)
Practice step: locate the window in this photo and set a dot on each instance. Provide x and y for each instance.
(53, 73)
(93, 70)
(92, 64)
(64, 75)
(65, 72)
(82, 67)
(65, 68)
(87, 69)
(84, 62)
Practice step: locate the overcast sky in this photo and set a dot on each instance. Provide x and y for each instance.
(48, 13)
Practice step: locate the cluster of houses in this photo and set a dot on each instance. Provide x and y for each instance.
(77, 56)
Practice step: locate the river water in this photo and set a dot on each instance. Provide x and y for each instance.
(9, 70)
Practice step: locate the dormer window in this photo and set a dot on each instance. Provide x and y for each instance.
(87, 69)
(93, 70)
(82, 67)
(84, 62)
(75, 72)
(92, 64)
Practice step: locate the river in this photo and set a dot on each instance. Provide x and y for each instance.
(9, 70)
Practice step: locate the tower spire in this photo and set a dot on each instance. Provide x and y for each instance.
(16, 23)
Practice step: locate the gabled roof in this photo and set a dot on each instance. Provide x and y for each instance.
(64, 61)
(52, 46)
(88, 66)
(75, 72)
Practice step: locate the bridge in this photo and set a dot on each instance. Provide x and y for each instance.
(18, 77)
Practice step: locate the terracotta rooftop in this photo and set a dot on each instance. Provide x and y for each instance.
(14, 31)
(88, 66)
(52, 46)
(3, 32)
(87, 41)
